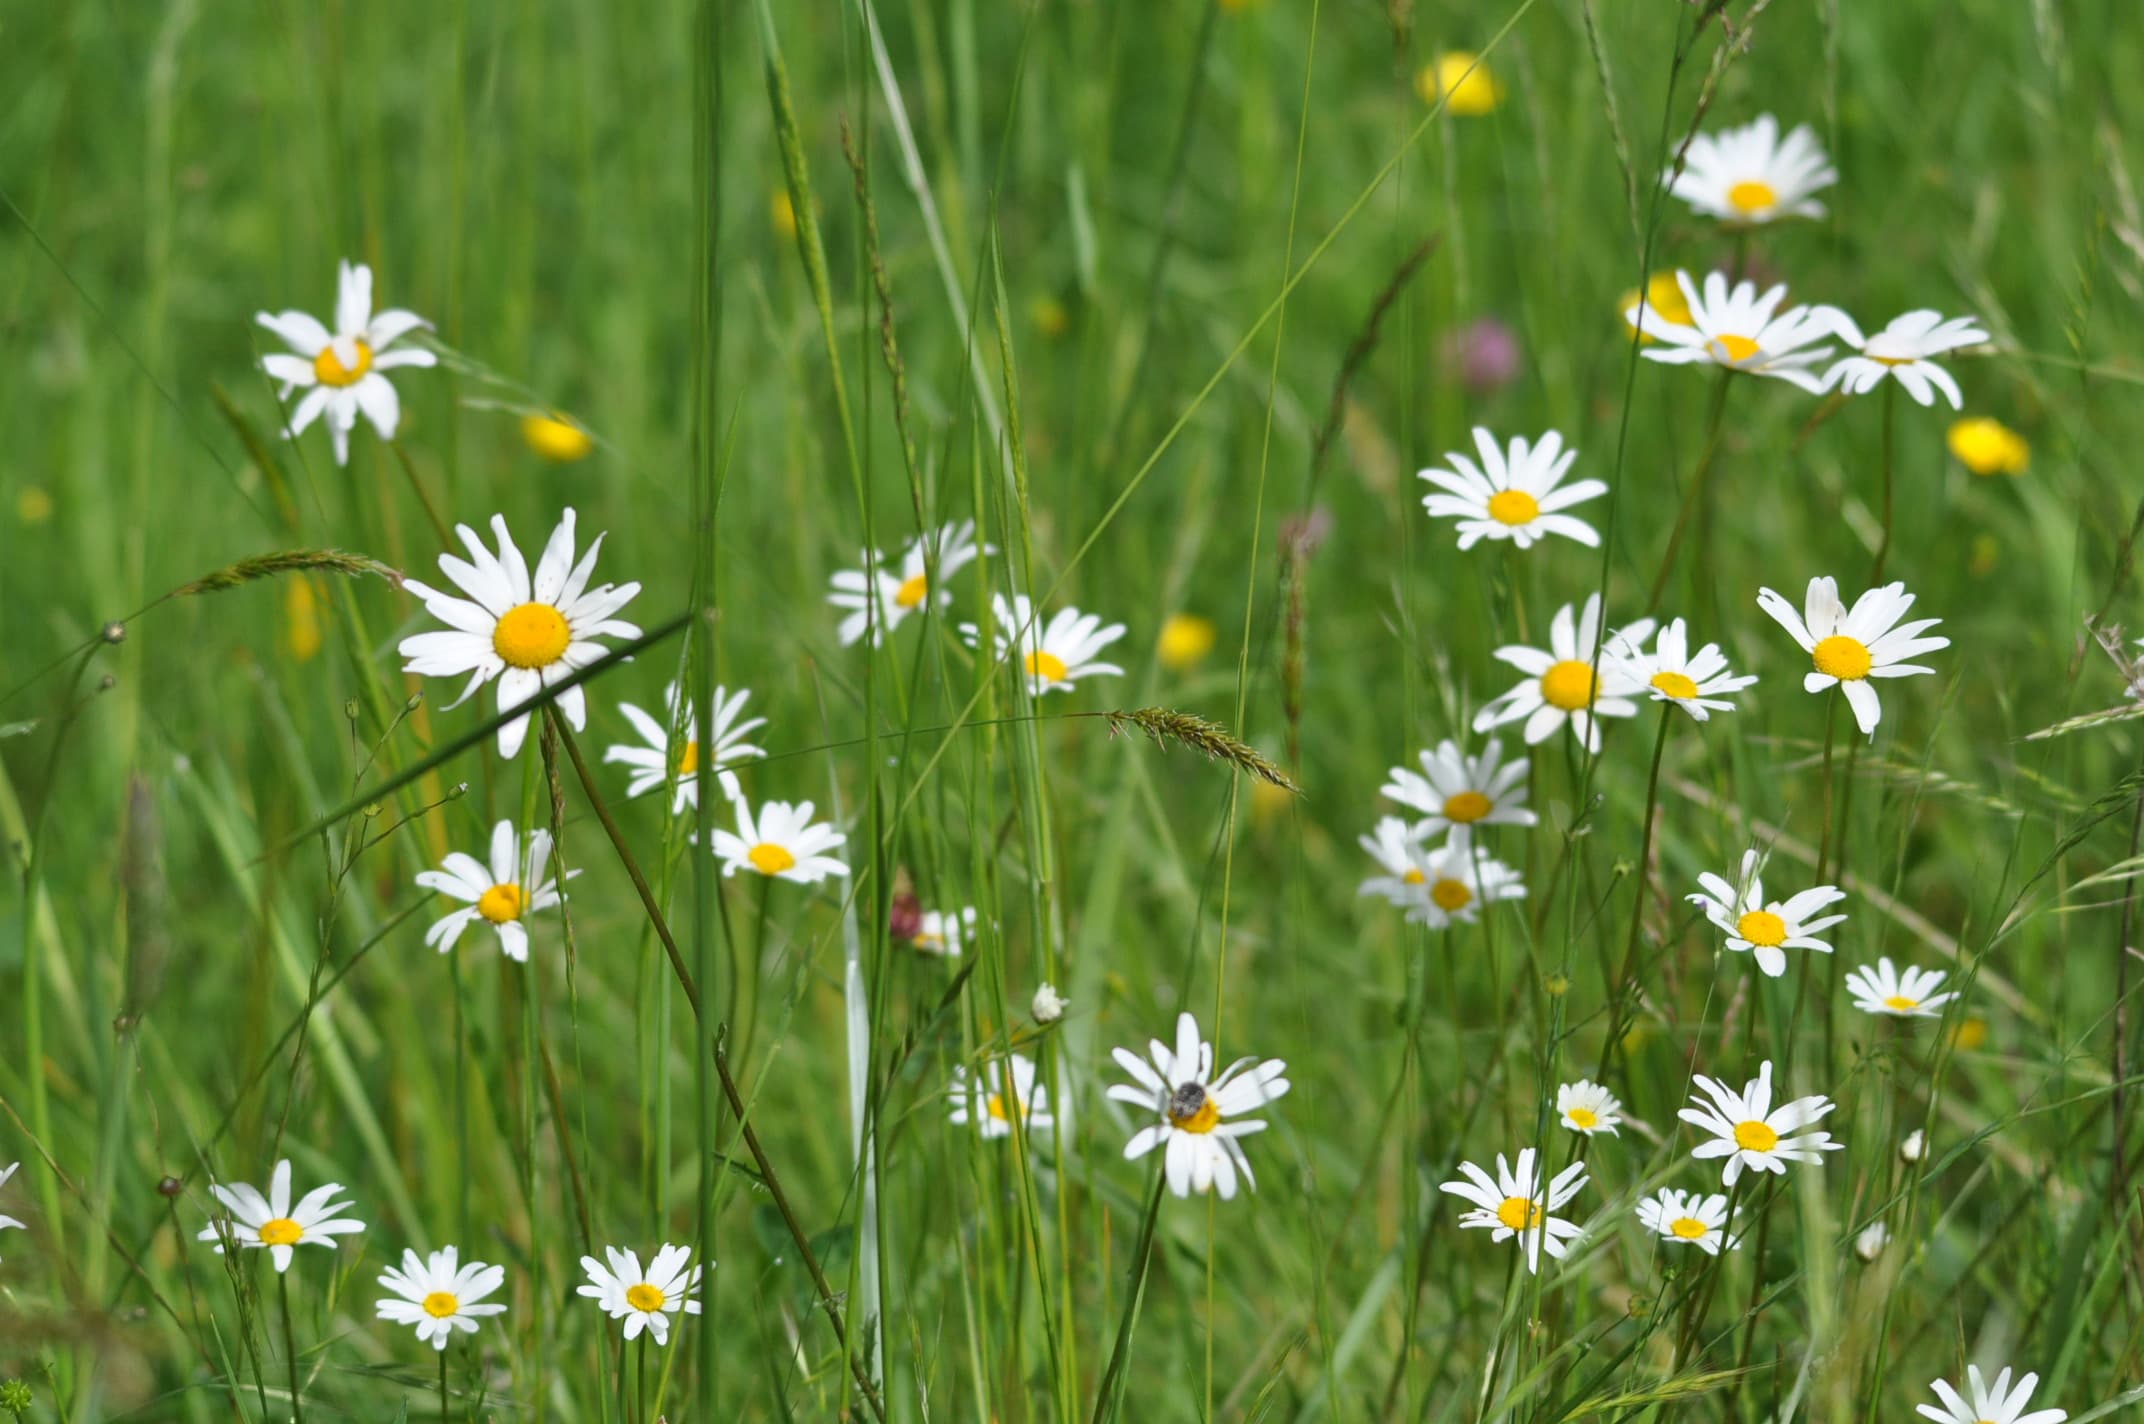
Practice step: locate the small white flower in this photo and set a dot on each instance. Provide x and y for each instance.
(1742, 331)
(1510, 1204)
(1586, 1107)
(438, 1295)
(1200, 1116)
(1058, 653)
(271, 1222)
(1436, 887)
(504, 893)
(1767, 928)
(527, 633)
(980, 1099)
(1902, 351)
(644, 1300)
(1697, 684)
(2000, 1405)
(1748, 176)
(1883, 990)
(900, 593)
(782, 842)
(1689, 1218)
(1048, 1006)
(1454, 789)
(7, 1222)
(1512, 495)
(1914, 1147)
(1749, 1132)
(1871, 1240)
(654, 763)
(1849, 646)
(1562, 685)
(340, 371)
(943, 932)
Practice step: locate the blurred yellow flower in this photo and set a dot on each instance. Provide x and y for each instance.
(1981, 561)
(1049, 316)
(1185, 638)
(1969, 1034)
(1472, 89)
(556, 436)
(1268, 802)
(1988, 447)
(784, 214)
(301, 620)
(1664, 295)
(33, 505)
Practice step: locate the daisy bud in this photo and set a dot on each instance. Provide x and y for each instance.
(1048, 1006)
(169, 1186)
(114, 632)
(1870, 1243)
(1914, 1147)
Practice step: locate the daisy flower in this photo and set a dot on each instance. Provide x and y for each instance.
(1435, 887)
(527, 634)
(1198, 1115)
(782, 843)
(901, 592)
(980, 1098)
(340, 370)
(654, 763)
(1586, 1107)
(1766, 928)
(1849, 646)
(1749, 1132)
(1698, 683)
(1749, 176)
(505, 893)
(256, 1221)
(644, 1300)
(1510, 1204)
(1690, 1218)
(1060, 652)
(438, 1295)
(1911, 995)
(2000, 1405)
(8, 1221)
(1740, 330)
(1871, 1241)
(943, 932)
(1562, 685)
(1902, 351)
(1513, 494)
(1454, 789)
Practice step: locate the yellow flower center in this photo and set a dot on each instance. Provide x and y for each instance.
(1752, 196)
(770, 859)
(1519, 1213)
(1675, 685)
(1762, 927)
(281, 1232)
(689, 763)
(996, 1107)
(1414, 876)
(500, 903)
(645, 1297)
(441, 1304)
(328, 367)
(1755, 1136)
(1045, 664)
(1735, 348)
(1901, 1003)
(1844, 658)
(912, 591)
(1467, 807)
(1450, 895)
(1569, 685)
(1513, 507)
(533, 635)
(1193, 1109)
(1689, 1228)
(556, 438)
(1583, 1117)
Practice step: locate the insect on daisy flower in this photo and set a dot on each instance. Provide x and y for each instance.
(1697, 683)
(644, 1300)
(1436, 887)
(901, 591)
(2000, 1405)
(1903, 351)
(1510, 1204)
(1689, 1219)
(1200, 1117)
(270, 1222)
(527, 633)
(439, 1295)
(1884, 990)
(1586, 1107)
(781, 842)
(1060, 652)
(1749, 1132)
(1513, 493)
(980, 1098)
(943, 932)
(1849, 646)
(340, 371)
(1741, 330)
(1562, 684)
(1749, 176)
(504, 893)
(654, 763)
(1454, 789)
(1765, 928)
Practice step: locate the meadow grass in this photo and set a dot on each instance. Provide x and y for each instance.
(1164, 298)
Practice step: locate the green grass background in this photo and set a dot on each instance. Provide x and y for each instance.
(1124, 191)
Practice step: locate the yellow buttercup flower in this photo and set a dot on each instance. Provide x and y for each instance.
(556, 436)
(1462, 80)
(1663, 294)
(1185, 638)
(1986, 446)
